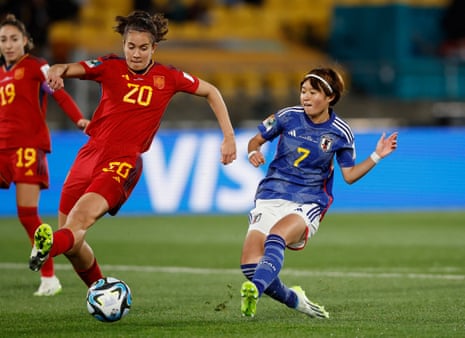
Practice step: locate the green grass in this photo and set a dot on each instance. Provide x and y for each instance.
(379, 275)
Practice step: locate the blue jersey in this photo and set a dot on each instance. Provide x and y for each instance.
(302, 169)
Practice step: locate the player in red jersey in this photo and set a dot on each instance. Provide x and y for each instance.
(24, 136)
(135, 93)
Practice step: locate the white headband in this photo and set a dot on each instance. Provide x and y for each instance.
(321, 79)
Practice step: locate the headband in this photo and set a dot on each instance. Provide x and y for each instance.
(321, 79)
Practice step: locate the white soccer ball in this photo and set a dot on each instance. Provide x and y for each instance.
(109, 299)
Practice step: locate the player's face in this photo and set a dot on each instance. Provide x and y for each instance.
(138, 49)
(12, 43)
(315, 102)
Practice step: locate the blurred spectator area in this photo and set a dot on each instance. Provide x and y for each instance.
(231, 44)
(256, 53)
(395, 51)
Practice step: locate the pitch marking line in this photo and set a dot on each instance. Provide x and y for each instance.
(290, 272)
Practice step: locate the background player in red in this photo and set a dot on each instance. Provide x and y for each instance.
(24, 136)
(135, 93)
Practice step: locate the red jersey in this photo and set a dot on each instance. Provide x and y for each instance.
(132, 105)
(23, 104)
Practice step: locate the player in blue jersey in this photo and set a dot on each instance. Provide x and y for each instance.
(296, 192)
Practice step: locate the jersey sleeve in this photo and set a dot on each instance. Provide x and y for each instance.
(270, 127)
(345, 156)
(95, 67)
(68, 105)
(186, 82)
(63, 99)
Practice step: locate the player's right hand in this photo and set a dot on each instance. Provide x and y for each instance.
(54, 77)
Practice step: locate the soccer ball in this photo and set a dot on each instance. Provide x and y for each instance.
(109, 299)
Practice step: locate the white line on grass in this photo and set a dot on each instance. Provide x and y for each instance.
(290, 272)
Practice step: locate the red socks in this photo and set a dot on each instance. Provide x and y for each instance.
(29, 218)
(63, 241)
(90, 275)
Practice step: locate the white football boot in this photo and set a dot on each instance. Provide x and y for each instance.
(304, 305)
(49, 286)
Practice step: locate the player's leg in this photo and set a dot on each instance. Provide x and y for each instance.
(79, 177)
(29, 180)
(85, 264)
(27, 199)
(87, 210)
(88, 274)
(261, 219)
(307, 218)
(104, 194)
(49, 283)
(252, 251)
(288, 229)
(70, 237)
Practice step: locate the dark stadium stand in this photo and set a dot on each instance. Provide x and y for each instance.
(256, 54)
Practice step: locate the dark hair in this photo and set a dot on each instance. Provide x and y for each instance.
(141, 21)
(10, 20)
(332, 78)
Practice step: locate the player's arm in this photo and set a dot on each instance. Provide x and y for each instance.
(255, 156)
(384, 147)
(64, 100)
(58, 72)
(216, 102)
(69, 106)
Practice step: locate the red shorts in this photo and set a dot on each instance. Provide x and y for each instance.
(104, 171)
(23, 165)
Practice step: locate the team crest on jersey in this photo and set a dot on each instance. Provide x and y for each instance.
(159, 81)
(326, 143)
(269, 122)
(93, 63)
(19, 73)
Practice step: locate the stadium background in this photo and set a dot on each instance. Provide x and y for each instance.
(402, 70)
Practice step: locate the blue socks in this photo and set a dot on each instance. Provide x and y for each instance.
(248, 270)
(265, 274)
(270, 265)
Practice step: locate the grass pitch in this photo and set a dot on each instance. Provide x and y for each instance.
(391, 275)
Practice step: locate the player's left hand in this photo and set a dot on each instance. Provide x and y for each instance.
(385, 146)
